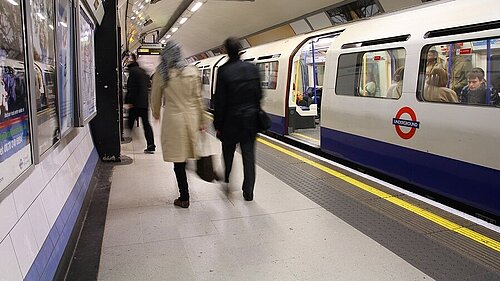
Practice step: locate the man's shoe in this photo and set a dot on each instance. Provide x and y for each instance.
(150, 149)
(248, 197)
(181, 203)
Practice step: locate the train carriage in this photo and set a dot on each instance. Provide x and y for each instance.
(446, 146)
(396, 93)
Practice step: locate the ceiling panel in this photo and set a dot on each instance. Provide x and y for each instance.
(218, 19)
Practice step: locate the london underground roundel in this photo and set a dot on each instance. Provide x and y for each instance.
(407, 119)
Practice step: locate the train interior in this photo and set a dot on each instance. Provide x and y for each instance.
(481, 57)
(304, 98)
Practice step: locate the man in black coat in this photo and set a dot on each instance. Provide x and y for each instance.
(237, 104)
(138, 99)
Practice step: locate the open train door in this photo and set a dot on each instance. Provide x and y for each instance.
(306, 88)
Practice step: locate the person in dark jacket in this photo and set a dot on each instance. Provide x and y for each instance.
(476, 90)
(138, 100)
(237, 103)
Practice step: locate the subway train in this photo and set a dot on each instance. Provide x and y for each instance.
(412, 94)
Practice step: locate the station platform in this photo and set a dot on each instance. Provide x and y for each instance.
(311, 219)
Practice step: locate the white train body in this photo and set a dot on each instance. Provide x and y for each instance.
(446, 147)
(208, 73)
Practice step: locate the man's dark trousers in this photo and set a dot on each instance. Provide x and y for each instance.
(143, 113)
(248, 153)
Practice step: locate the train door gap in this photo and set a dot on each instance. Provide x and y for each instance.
(309, 136)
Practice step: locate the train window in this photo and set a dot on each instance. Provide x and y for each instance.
(371, 74)
(15, 130)
(465, 72)
(205, 79)
(268, 74)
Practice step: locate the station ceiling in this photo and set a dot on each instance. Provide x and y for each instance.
(215, 20)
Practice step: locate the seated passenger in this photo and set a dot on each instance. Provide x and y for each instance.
(476, 90)
(495, 91)
(396, 89)
(303, 100)
(436, 90)
(370, 89)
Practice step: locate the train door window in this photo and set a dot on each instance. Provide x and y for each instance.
(308, 71)
(371, 74)
(206, 76)
(15, 131)
(268, 74)
(44, 54)
(465, 72)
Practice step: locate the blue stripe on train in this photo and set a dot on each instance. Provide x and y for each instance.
(277, 124)
(468, 183)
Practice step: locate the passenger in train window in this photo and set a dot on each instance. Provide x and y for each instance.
(237, 105)
(396, 89)
(137, 99)
(460, 66)
(177, 88)
(303, 100)
(436, 90)
(370, 86)
(495, 92)
(476, 90)
(432, 62)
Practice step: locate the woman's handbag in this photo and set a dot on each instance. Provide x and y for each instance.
(205, 168)
(204, 164)
(264, 122)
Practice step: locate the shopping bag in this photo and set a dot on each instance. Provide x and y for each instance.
(204, 164)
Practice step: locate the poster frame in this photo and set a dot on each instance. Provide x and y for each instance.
(73, 78)
(28, 59)
(80, 119)
(38, 155)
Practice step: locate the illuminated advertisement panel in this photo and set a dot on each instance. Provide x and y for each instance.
(15, 146)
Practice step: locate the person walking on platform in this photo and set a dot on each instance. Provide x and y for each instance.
(237, 103)
(178, 88)
(138, 101)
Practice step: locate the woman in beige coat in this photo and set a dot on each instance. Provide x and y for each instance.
(436, 90)
(178, 88)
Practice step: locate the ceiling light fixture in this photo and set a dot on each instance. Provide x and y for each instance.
(175, 29)
(13, 2)
(183, 20)
(196, 6)
(168, 36)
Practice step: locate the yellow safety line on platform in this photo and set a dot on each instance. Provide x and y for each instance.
(491, 243)
(304, 136)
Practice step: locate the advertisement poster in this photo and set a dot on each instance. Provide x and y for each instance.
(45, 73)
(65, 66)
(15, 147)
(87, 69)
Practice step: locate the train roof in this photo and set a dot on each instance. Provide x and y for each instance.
(421, 22)
(210, 61)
